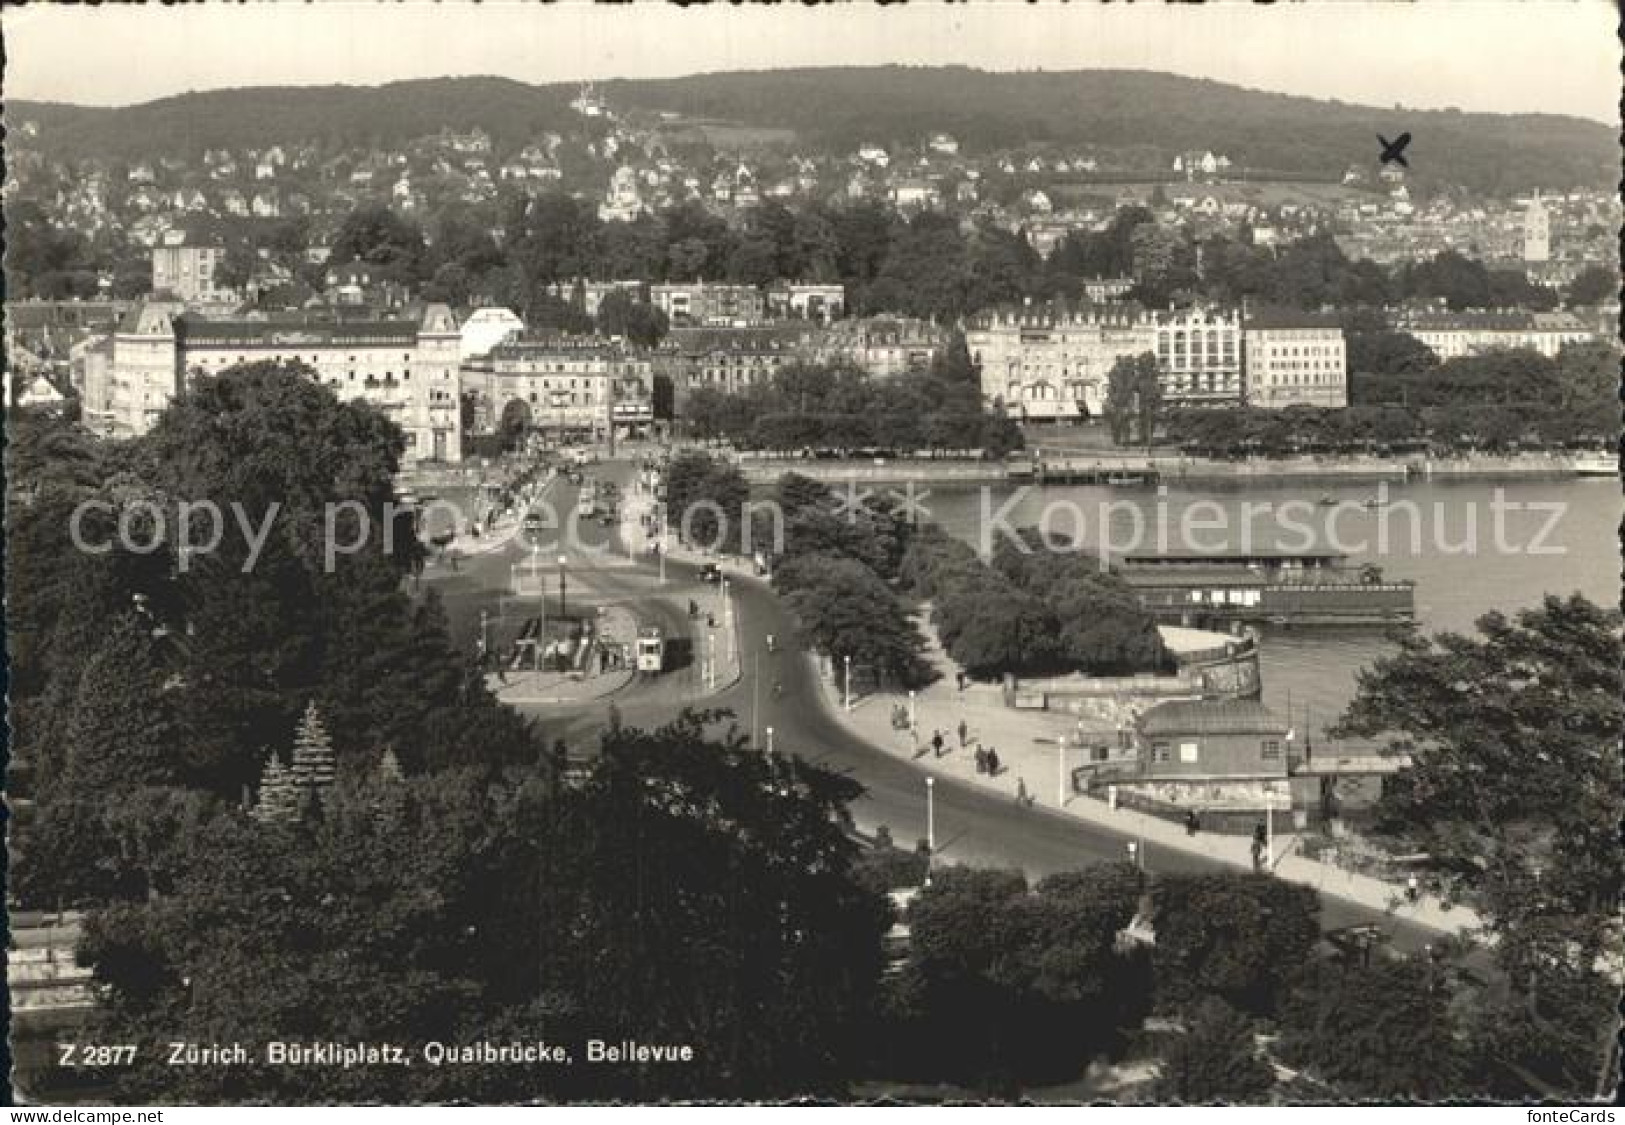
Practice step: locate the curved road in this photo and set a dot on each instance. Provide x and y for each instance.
(972, 826)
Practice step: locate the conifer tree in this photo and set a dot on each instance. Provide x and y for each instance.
(279, 796)
(314, 766)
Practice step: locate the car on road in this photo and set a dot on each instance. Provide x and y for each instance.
(533, 522)
(710, 572)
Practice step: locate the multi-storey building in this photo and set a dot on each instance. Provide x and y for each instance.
(883, 346)
(1537, 232)
(801, 300)
(184, 266)
(1453, 335)
(730, 359)
(1199, 355)
(708, 303)
(1052, 363)
(483, 329)
(568, 384)
(1294, 359)
(407, 367)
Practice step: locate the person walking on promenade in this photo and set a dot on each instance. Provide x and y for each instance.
(1413, 890)
(1023, 797)
(992, 762)
(964, 732)
(981, 760)
(936, 743)
(1191, 822)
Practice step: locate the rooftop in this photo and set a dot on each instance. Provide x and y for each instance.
(1232, 716)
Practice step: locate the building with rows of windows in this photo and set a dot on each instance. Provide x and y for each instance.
(1452, 335)
(406, 367)
(1051, 363)
(571, 385)
(1199, 356)
(1295, 359)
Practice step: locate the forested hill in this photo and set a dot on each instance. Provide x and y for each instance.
(1121, 116)
(1121, 111)
(334, 116)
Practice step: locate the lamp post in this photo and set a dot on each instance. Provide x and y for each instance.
(848, 661)
(913, 718)
(1060, 773)
(711, 661)
(770, 740)
(563, 566)
(931, 815)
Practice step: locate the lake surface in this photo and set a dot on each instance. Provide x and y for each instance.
(1470, 546)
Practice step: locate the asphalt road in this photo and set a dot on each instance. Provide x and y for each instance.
(972, 826)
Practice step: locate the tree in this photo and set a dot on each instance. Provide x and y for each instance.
(1239, 937)
(1380, 1031)
(1038, 972)
(1133, 397)
(237, 267)
(374, 234)
(1592, 286)
(1215, 1059)
(707, 891)
(123, 732)
(619, 314)
(1539, 860)
(845, 611)
(953, 363)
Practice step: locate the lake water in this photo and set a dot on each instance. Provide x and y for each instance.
(1470, 546)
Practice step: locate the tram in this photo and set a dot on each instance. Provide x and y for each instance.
(651, 649)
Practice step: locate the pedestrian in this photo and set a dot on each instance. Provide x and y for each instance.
(1413, 890)
(964, 732)
(1022, 796)
(936, 742)
(961, 679)
(981, 760)
(992, 762)
(1258, 854)
(1191, 823)
(1261, 835)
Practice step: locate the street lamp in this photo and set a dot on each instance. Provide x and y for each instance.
(711, 660)
(770, 740)
(913, 718)
(563, 565)
(848, 660)
(931, 816)
(1060, 773)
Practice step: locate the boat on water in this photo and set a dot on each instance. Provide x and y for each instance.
(1267, 586)
(1597, 465)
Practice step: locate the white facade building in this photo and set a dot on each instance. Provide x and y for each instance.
(1051, 364)
(407, 368)
(485, 329)
(1295, 359)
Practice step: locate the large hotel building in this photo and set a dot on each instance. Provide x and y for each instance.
(407, 368)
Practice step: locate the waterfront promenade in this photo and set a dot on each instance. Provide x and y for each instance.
(1028, 746)
(1026, 742)
(1168, 468)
